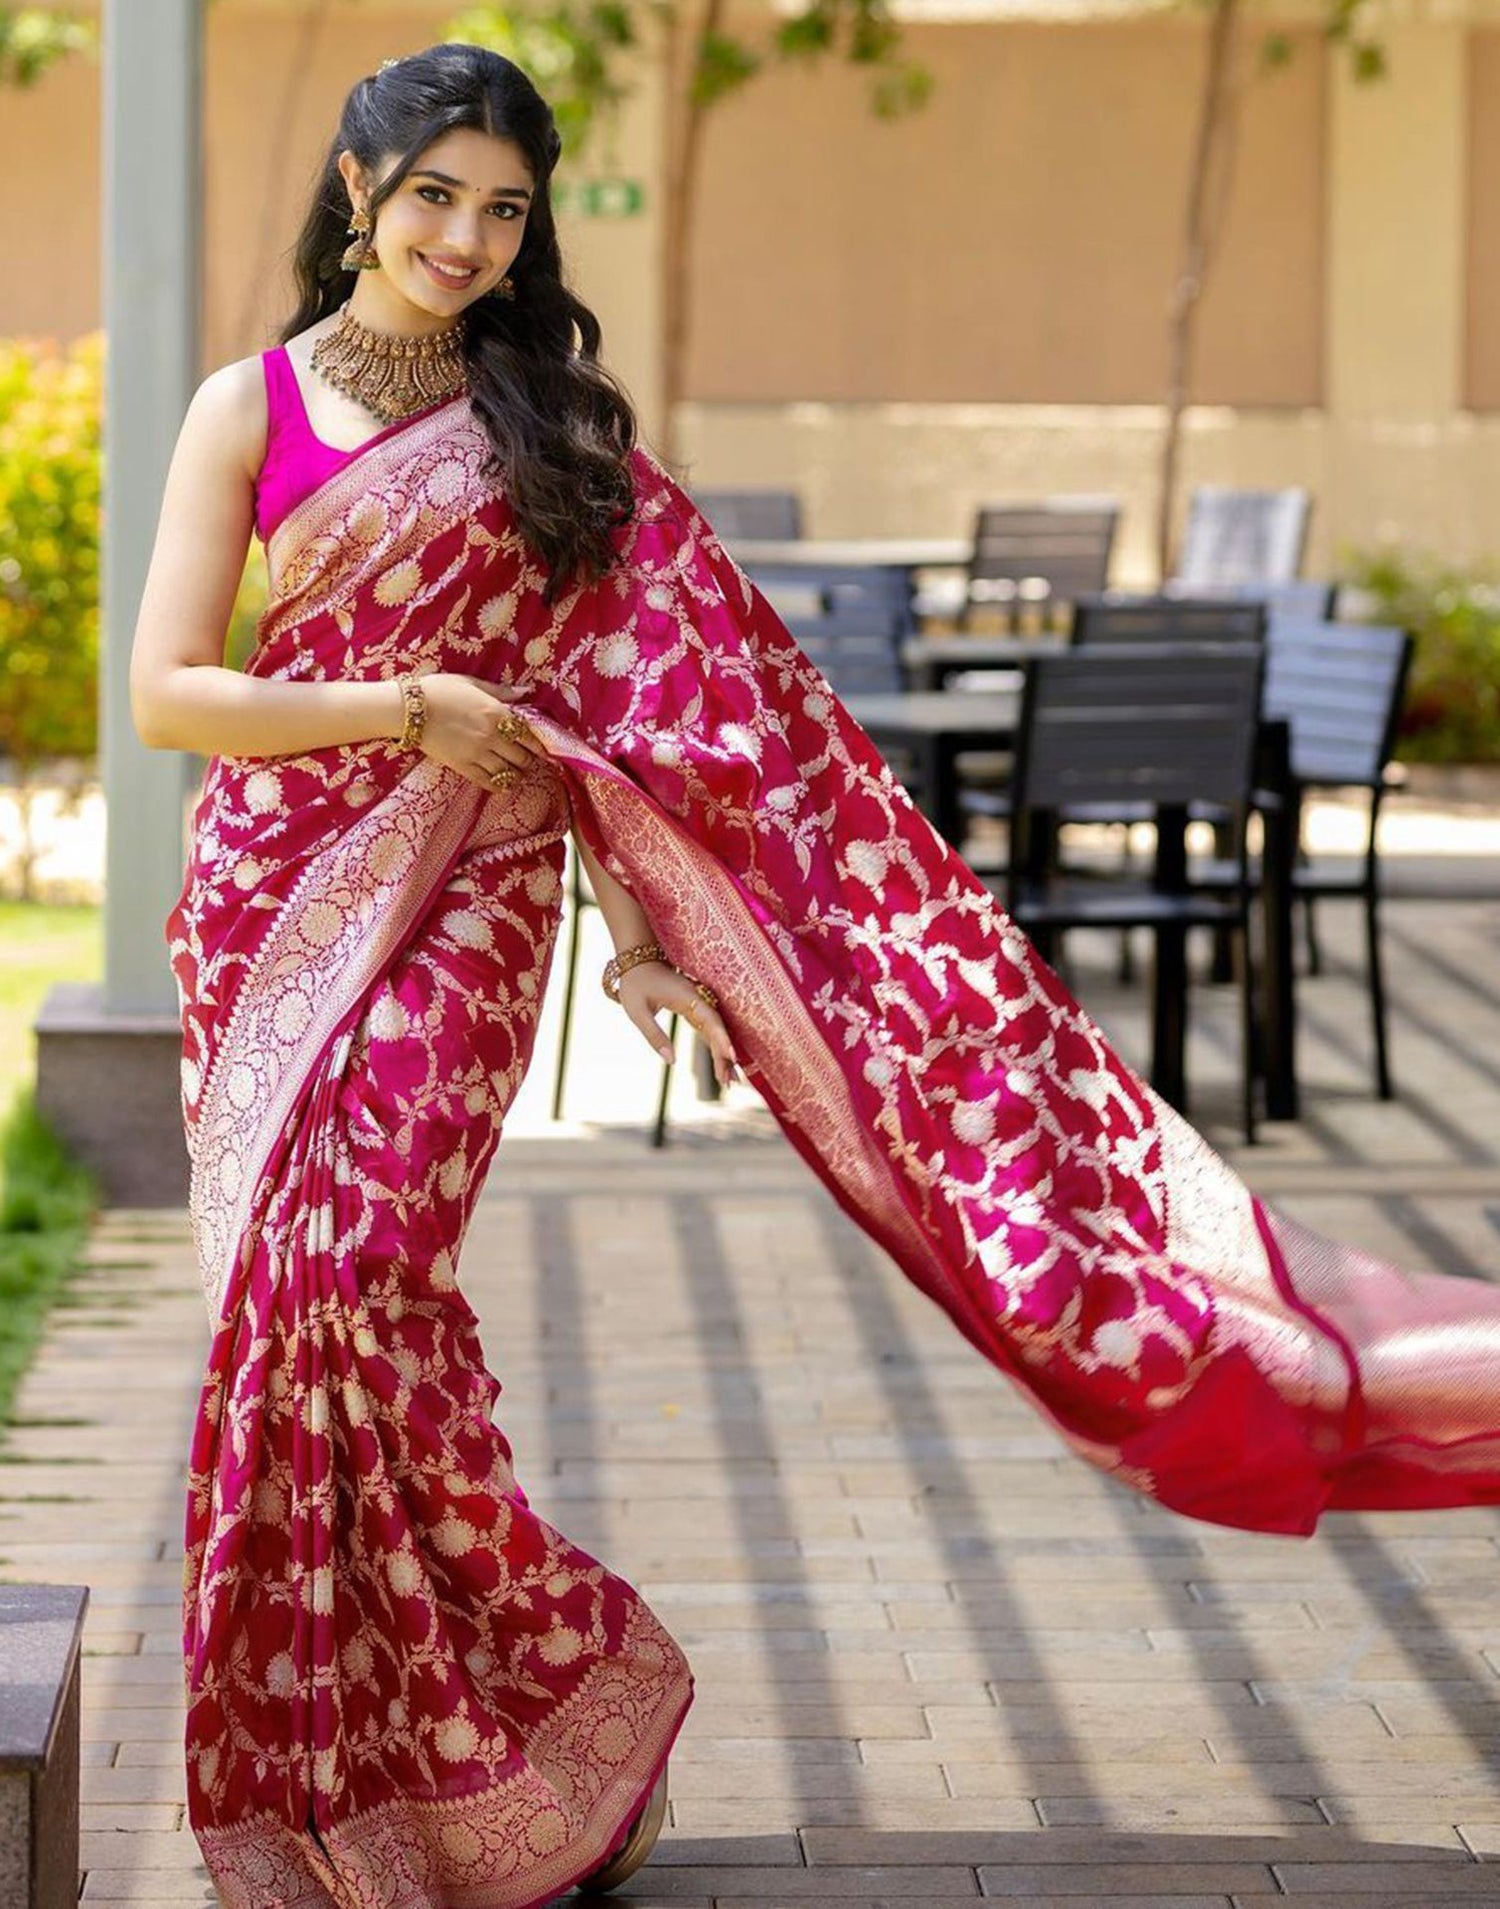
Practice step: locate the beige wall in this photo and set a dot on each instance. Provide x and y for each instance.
(1482, 224)
(1017, 240)
(50, 252)
(1352, 342)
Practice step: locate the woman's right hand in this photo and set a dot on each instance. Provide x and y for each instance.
(463, 730)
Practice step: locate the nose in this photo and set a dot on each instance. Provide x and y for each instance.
(463, 233)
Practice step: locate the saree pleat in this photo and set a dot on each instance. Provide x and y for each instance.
(405, 1688)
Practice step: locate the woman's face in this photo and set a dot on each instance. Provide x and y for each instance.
(452, 228)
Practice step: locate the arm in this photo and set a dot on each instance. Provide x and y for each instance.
(654, 985)
(181, 695)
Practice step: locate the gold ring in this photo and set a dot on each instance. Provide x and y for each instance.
(503, 778)
(511, 728)
(706, 994)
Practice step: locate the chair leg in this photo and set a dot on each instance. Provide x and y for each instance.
(570, 985)
(1250, 1062)
(1383, 1085)
(659, 1128)
(1125, 969)
(1310, 929)
(1125, 966)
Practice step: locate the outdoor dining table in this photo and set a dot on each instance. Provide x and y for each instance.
(935, 727)
(854, 553)
(778, 565)
(930, 661)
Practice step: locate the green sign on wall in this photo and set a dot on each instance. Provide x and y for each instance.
(600, 198)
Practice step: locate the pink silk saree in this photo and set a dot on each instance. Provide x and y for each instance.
(405, 1688)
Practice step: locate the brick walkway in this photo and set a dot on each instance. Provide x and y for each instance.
(936, 1658)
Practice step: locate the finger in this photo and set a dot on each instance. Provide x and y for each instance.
(651, 1029)
(515, 735)
(709, 1026)
(726, 1065)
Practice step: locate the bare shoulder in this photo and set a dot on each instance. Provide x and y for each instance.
(229, 410)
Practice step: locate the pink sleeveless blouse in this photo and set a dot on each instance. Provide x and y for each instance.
(297, 461)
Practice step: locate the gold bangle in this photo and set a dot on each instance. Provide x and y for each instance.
(414, 711)
(618, 966)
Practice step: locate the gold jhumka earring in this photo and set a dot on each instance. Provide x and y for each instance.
(505, 289)
(361, 256)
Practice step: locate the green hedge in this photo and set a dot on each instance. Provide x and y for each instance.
(1452, 709)
(46, 1203)
(50, 401)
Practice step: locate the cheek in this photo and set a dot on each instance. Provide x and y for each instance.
(403, 224)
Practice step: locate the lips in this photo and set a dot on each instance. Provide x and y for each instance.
(454, 279)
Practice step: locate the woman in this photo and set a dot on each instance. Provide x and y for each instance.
(494, 620)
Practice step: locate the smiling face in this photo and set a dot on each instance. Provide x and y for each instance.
(447, 234)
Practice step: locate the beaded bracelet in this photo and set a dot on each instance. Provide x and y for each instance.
(618, 966)
(414, 709)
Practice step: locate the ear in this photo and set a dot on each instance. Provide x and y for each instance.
(353, 175)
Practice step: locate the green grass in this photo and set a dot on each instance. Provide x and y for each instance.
(46, 1202)
(38, 945)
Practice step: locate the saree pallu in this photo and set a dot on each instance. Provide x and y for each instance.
(405, 1688)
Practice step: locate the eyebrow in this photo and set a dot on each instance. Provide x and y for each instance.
(446, 179)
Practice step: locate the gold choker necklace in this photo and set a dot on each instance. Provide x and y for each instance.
(393, 378)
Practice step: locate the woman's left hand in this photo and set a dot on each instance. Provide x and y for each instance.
(653, 987)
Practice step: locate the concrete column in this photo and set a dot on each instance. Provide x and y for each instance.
(107, 1059)
(152, 182)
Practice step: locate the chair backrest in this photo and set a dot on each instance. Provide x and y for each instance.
(1166, 619)
(859, 651)
(1163, 724)
(1059, 548)
(1236, 536)
(771, 514)
(1313, 599)
(1339, 688)
(835, 589)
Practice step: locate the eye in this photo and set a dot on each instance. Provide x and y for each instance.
(434, 195)
(508, 211)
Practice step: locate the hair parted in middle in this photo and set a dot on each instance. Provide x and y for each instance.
(561, 427)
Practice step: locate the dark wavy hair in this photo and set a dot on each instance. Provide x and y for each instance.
(562, 429)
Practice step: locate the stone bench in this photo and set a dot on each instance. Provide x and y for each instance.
(41, 1629)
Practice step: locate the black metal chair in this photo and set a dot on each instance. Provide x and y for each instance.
(1310, 599)
(775, 515)
(1167, 726)
(1039, 556)
(1243, 536)
(1340, 687)
(1159, 618)
(1118, 618)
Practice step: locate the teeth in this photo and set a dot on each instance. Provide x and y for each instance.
(447, 271)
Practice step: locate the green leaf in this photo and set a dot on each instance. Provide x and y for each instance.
(806, 34)
(34, 38)
(873, 37)
(572, 51)
(723, 65)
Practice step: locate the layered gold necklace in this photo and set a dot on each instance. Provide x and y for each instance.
(393, 378)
